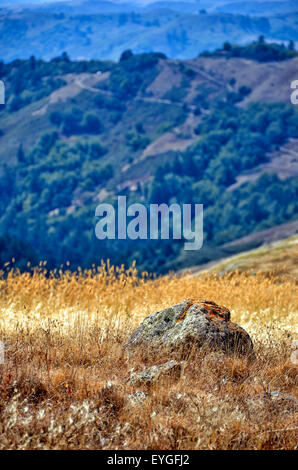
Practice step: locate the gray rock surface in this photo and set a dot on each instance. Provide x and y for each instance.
(191, 322)
(137, 398)
(154, 373)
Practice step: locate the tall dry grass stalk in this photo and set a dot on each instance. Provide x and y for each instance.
(63, 382)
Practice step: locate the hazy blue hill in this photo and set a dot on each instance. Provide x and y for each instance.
(252, 7)
(259, 7)
(88, 7)
(184, 7)
(178, 35)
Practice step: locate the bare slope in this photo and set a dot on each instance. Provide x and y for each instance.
(164, 96)
(279, 257)
(269, 82)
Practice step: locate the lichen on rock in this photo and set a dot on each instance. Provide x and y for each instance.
(191, 323)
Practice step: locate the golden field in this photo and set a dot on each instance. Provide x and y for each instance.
(64, 377)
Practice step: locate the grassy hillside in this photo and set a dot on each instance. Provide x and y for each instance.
(64, 381)
(280, 258)
(153, 129)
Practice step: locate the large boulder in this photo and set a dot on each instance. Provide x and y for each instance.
(191, 323)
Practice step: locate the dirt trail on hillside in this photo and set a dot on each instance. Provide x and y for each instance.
(269, 81)
(177, 139)
(75, 84)
(86, 81)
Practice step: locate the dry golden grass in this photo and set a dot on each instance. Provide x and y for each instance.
(63, 383)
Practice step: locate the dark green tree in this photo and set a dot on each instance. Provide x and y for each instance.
(21, 154)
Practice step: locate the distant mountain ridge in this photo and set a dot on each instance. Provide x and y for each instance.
(252, 7)
(86, 29)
